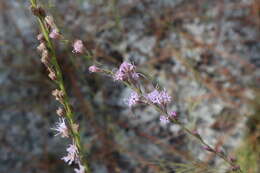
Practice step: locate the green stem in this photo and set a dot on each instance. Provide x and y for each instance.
(60, 83)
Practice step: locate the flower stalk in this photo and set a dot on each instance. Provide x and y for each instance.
(50, 61)
(159, 100)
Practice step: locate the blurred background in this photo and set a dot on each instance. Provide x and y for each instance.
(206, 53)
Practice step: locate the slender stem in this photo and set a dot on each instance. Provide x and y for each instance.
(60, 83)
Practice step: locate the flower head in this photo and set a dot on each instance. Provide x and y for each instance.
(55, 34)
(164, 119)
(133, 99)
(154, 97)
(126, 71)
(78, 46)
(61, 128)
(72, 154)
(157, 97)
(164, 97)
(174, 115)
(94, 69)
(126, 67)
(80, 170)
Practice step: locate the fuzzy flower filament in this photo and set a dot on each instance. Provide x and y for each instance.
(62, 128)
(72, 155)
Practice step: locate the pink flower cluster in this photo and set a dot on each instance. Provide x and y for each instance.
(133, 99)
(160, 98)
(166, 118)
(72, 154)
(126, 72)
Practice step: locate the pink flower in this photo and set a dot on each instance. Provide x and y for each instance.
(164, 119)
(80, 170)
(55, 34)
(154, 97)
(94, 69)
(126, 71)
(119, 76)
(157, 97)
(164, 97)
(133, 99)
(78, 47)
(61, 128)
(72, 154)
(126, 67)
(174, 115)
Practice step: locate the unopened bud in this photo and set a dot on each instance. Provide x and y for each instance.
(94, 69)
(174, 115)
(55, 34)
(232, 159)
(207, 148)
(78, 47)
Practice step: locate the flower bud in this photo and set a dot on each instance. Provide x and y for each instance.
(94, 69)
(55, 34)
(174, 115)
(78, 47)
(232, 159)
(207, 148)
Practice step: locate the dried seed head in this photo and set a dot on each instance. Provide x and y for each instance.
(38, 11)
(58, 94)
(60, 111)
(45, 57)
(41, 47)
(52, 75)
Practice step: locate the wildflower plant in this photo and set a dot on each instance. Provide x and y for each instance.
(159, 99)
(127, 73)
